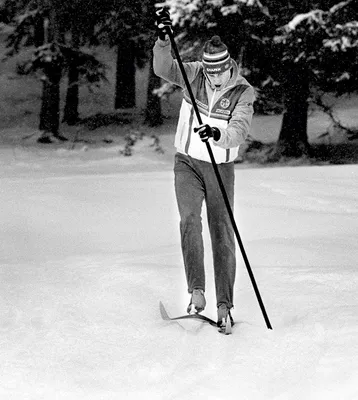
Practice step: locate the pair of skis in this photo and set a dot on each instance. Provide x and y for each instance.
(225, 329)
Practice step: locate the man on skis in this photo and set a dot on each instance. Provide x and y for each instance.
(225, 102)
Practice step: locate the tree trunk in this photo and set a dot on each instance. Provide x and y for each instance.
(70, 114)
(293, 139)
(50, 107)
(153, 112)
(39, 33)
(125, 75)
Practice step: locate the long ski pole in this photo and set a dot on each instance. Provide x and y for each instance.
(220, 182)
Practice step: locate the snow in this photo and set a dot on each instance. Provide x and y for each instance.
(313, 15)
(90, 245)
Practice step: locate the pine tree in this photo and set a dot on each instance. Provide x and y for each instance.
(153, 112)
(45, 25)
(121, 27)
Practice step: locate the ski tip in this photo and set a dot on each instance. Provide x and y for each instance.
(163, 311)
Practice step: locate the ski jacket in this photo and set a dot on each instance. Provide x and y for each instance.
(230, 108)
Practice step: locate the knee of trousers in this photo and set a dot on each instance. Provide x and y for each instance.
(190, 221)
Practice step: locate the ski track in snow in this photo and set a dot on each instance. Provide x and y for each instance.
(86, 258)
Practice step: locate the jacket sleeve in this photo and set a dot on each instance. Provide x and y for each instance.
(238, 128)
(167, 68)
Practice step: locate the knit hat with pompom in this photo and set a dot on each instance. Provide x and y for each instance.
(216, 58)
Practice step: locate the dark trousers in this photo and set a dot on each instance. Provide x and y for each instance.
(195, 181)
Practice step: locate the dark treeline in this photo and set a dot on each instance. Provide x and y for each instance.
(292, 52)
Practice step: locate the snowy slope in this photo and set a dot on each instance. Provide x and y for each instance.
(90, 245)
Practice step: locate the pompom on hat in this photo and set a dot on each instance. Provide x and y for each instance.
(216, 58)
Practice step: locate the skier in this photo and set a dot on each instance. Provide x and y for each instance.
(225, 102)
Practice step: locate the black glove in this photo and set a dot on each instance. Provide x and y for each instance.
(162, 21)
(206, 132)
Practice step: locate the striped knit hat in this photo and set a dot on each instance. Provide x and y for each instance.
(216, 58)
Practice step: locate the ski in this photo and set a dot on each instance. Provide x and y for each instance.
(227, 330)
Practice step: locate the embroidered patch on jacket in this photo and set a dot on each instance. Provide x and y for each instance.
(220, 111)
(200, 104)
(224, 103)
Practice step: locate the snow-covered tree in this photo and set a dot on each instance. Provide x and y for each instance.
(318, 52)
(129, 28)
(153, 111)
(122, 28)
(48, 27)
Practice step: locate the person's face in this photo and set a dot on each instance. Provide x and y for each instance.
(218, 80)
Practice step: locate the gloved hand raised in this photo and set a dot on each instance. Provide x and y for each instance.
(206, 132)
(163, 21)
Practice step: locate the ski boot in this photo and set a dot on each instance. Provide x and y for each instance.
(197, 302)
(225, 320)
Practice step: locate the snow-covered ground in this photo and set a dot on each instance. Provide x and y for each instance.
(89, 245)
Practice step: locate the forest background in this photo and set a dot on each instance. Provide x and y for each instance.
(74, 74)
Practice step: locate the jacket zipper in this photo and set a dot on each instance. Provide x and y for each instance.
(211, 103)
